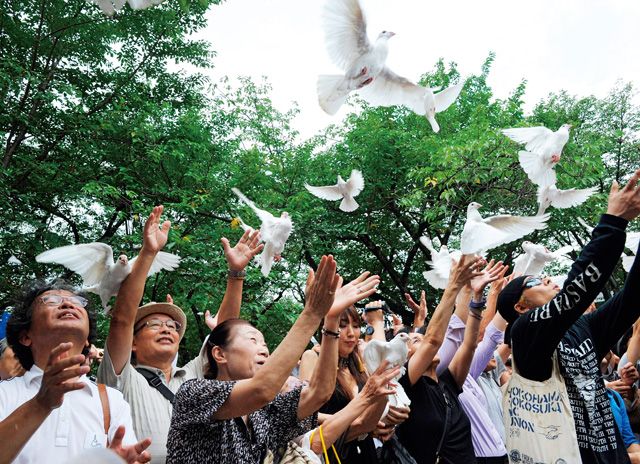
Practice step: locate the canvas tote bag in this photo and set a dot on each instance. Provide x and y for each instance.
(539, 423)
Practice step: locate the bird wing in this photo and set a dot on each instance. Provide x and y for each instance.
(162, 261)
(374, 353)
(331, 192)
(571, 197)
(517, 226)
(265, 216)
(445, 98)
(521, 264)
(345, 30)
(90, 260)
(479, 236)
(534, 138)
(538, 172)
(355, 182)
(633, 241)
(389, 89)
(627, 262)
(435, 279)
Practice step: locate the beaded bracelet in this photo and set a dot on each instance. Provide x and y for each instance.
(236, 275)
(330, 333)
(481, 305)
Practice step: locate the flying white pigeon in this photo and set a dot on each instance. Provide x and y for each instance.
(441, 262)
(536, 257)
(389, 89)
(543, 151)
(100, 274)
(274, 232)
(13, 261)
(348, 46)
(482, 234)
(109, 7)
(344, 191)
(396, 352)
(632, 242)
(550, 195)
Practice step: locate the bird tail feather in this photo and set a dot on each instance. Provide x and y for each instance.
(332, 92)
(348, 204)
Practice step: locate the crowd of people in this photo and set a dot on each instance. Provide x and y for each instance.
(508, 368)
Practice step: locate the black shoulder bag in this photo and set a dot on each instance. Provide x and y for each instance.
(156, 382)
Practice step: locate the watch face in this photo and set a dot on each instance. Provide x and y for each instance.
(369, 330)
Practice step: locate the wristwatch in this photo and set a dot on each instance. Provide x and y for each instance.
(369, 330)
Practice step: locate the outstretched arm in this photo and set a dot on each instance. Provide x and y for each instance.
(461, 362)
(120, 337)
(461, 273)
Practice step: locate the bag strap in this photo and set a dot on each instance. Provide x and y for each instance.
(106, 410)
(156, 382)
(324, 446)
(445, 429)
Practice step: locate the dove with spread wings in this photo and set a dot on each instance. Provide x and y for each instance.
(274, 232)
(349, 47)
(343, 190)
(100, 273)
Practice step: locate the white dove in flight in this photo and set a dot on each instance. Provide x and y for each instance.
(396, 352)
(389, 89)
(632, 242)
(343, 190)
(109, 7)
(551, 195)
(346, 38)
(543, 151)
(482, 234)
(100, 274)
(274, 232)
(441, 262)
(536, 257)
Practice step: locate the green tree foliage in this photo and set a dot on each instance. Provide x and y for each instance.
(101, 122)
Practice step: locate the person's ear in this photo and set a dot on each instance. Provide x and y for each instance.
(25, 339)
(218, 355)
(520, 307)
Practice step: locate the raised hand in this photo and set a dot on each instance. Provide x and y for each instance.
(59, 375)
(629, 374)
(498, 284)
(245, 250)
(464, 270)
(131, 454)
(490, 273)
(419, 310)
(321, 287)
(625, 202)
(211, 321)
(358, 289)
(154, 236)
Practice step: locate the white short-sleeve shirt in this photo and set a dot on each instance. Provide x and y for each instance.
(77, 425)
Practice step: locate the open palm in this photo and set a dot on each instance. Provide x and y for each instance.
(245, 250)
(155, 237)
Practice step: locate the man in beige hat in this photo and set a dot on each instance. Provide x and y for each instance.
(143, 342)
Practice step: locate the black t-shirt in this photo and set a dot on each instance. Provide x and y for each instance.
(422, 431)
(355, 451)
(582, 341)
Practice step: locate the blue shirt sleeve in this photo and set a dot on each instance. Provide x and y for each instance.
(621, 417)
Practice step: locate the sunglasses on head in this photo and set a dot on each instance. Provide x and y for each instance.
(533, 282)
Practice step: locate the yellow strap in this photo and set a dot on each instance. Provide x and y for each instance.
(324, 447)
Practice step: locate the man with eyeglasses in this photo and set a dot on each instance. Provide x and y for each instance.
(53, 412)
(545, 319)
(143, 342)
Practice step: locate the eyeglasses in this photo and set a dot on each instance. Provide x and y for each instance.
(533, 282)
(56, 300)
(156, 325)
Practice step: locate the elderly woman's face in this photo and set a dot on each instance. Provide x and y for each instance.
(349, 335)
(245, 353)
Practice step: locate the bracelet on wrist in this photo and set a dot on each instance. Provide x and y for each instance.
(330, 333)
(475, 315)
(480, 305)
(236, 275)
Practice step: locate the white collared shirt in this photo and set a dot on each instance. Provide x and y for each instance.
(77, 425)
(150, 410)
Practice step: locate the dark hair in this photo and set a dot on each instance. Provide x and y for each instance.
(220, 336)
(20, 319)
(353, 361)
